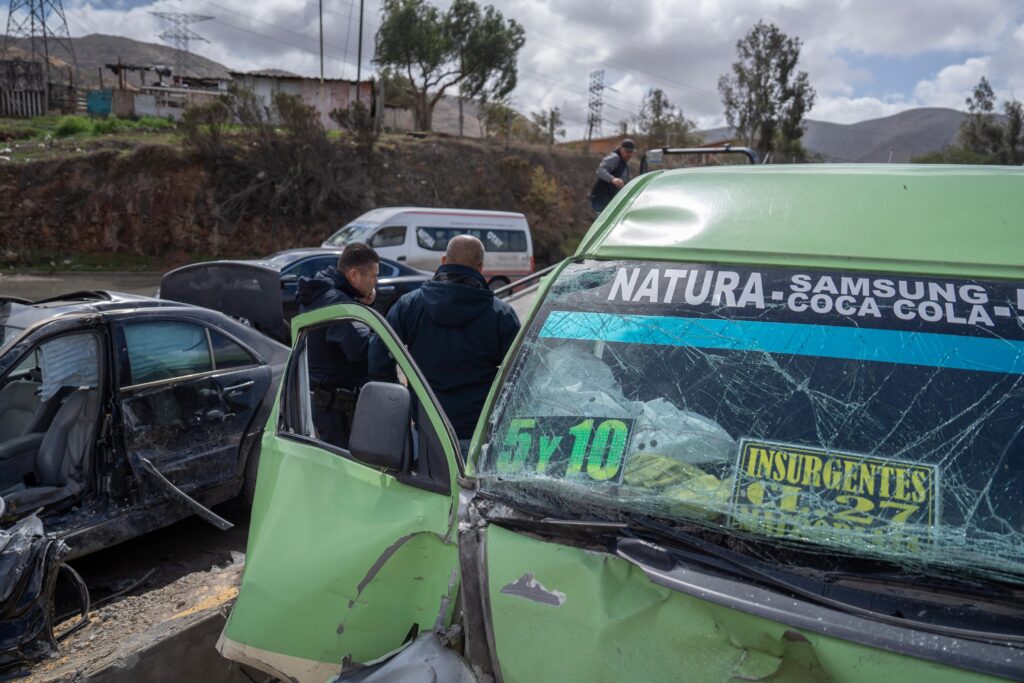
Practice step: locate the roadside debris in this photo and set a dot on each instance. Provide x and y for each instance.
(30, 563)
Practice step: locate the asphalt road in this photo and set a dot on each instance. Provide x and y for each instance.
(35, 286)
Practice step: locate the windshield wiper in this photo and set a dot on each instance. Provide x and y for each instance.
(698, 550)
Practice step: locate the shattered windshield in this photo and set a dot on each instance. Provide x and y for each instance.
(875, 414)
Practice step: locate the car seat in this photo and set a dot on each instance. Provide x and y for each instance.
(19, 402)
(61, 468)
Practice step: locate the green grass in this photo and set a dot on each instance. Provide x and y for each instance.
(43, 127)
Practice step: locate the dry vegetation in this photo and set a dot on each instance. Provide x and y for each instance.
(276, 181)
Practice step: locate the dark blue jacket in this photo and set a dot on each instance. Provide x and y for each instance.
(337, 355)
(458, 334)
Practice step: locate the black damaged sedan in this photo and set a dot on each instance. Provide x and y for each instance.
(121, 414)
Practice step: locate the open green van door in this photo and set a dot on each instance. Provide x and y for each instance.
(766, 424)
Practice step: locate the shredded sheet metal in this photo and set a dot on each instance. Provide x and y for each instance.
(875, 414)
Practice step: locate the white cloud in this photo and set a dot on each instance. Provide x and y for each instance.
(854, 109)
(682, 48)
(952, 84)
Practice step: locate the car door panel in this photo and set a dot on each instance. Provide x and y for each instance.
(190, 427)
(326, 525)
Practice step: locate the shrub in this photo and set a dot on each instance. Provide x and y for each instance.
(72, 125)
(155, 123)
(111, 124)
(360, 124)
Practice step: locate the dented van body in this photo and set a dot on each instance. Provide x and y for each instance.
(765, 424)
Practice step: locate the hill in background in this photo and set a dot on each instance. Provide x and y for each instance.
(895, 138)
(92, 52)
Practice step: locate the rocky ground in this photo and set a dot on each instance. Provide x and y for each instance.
(194, 568)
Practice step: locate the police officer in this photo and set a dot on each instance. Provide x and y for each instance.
(337, 354)
(457, 332)
(612, 174)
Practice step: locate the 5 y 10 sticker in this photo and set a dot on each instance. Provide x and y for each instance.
(798, 492)
(591, 448)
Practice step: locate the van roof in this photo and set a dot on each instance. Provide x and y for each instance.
(388, 212)
(952, 220)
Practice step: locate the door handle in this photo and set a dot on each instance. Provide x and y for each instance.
(400, 258)
(239, 387)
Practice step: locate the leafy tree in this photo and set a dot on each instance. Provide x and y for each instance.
(495, 116)
(980, 132)
(466, 47)
(549, 122)
(662, 124)
(502, 121)
(765, 97)
(1014, 133)
(398, 89)
(983, 138)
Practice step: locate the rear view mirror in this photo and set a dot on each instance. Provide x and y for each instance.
(380, 427)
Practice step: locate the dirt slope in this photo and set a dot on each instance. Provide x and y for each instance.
(164, 203)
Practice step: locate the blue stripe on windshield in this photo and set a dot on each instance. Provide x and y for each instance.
(853, 343)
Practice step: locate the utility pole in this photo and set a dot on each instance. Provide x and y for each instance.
(359, 62)
(320, 91)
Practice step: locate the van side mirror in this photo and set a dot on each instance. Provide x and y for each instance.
(380, 427)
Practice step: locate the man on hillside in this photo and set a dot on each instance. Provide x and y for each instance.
(612, 174)
(337, 354)
(456, 331)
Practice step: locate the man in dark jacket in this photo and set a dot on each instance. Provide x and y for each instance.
(612, 174)
(337, 354)
(456, 331)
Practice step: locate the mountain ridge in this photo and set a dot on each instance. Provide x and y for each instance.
(896, 138)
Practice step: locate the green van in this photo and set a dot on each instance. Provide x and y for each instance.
(767, 424)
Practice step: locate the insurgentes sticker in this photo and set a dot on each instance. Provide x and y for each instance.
(589, 448)
(806, 493)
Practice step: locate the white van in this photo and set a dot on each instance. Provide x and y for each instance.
(419, 237)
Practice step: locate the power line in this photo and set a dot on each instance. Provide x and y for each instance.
(180, 34)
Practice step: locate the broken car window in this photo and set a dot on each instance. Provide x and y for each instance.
(162, 350)
(69, 361)
(229, 354)
(880, 415)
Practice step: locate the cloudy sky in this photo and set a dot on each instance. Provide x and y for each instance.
(866, 58)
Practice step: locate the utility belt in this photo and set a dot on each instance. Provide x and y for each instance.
(325, 396)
